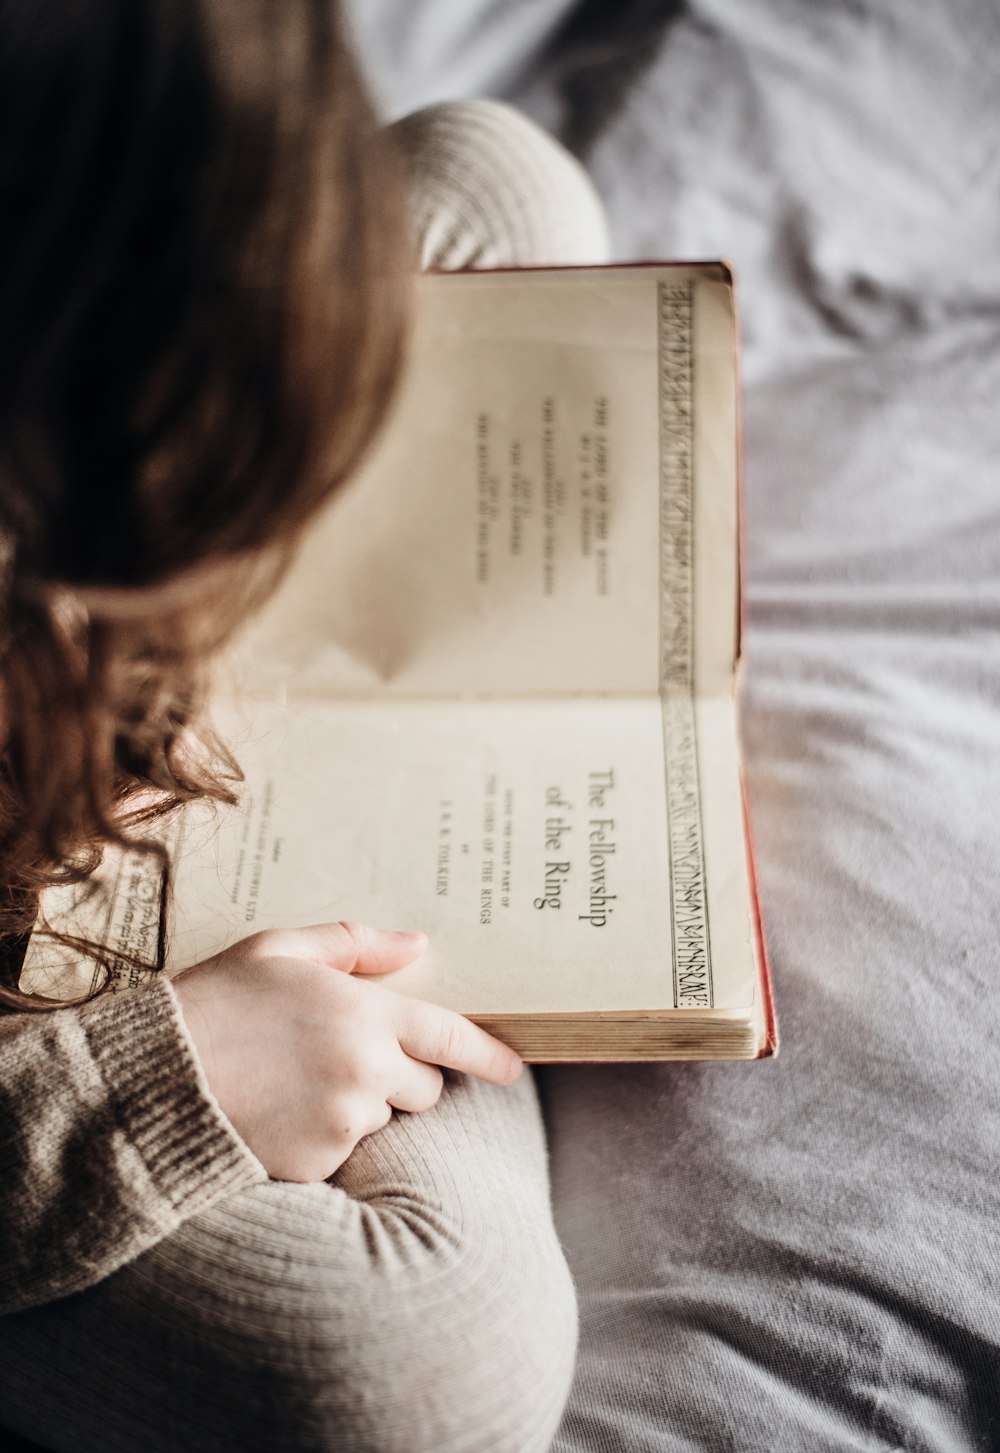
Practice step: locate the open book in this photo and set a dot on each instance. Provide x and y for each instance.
(494, 699)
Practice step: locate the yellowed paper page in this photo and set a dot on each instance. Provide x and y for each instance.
(506, 655)
(533, 500)
(531, 840)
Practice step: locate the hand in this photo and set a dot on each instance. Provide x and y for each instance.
(306, 1055)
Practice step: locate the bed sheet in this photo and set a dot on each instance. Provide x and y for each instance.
(806, 1255)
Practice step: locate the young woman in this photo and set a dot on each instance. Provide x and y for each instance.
(215, 1232)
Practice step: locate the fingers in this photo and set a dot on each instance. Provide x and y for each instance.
(440, 1037)
(420, 1086)
(354, 948)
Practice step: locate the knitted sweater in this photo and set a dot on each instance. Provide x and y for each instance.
(109, 1139)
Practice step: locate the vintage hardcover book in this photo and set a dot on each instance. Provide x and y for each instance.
(495, 698)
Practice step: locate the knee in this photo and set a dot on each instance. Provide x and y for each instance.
(475, 1354)
(489, 188)
(431, 1336)
(465, 1343)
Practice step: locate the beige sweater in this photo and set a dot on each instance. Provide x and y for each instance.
(109, 1139)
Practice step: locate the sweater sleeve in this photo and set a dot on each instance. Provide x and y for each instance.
(109, 1138)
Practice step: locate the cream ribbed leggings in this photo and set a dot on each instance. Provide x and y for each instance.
(420, 1303)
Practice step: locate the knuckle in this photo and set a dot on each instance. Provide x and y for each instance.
(354, 1117)
(355, 938)
(369, 1053)
(346, 1118)
(381, 1068)
(354, 1070)
(267, 943)
(450, 1041)
(421, 1093)
(255, 944)
(267, 940)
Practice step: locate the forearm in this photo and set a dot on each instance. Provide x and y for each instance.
(109, 1140)
(419, 1302)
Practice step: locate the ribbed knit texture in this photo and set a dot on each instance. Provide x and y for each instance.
(109, 1139)
(420, 1301)
(491, 189)
(419, 1304)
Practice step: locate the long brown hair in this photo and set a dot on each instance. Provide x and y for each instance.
(203, 263)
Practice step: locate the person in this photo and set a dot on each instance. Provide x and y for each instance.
(272, 1203)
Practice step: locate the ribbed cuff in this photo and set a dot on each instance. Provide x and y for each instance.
(162, 1100)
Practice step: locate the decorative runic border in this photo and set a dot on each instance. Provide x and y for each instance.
(692, 953)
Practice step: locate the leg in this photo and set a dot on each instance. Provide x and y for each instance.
(489, 188)
(419, 1303)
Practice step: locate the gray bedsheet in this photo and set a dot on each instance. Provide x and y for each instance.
(806, 1255)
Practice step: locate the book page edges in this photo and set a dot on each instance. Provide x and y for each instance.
(771, 1035)
(740, 473)
(633, 1037)
(711, 269)
(771, 1041)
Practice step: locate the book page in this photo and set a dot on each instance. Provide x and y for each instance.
(531, 840)
(551, 507)
(506, 657)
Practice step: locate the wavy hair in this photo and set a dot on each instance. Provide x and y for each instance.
(203, 312)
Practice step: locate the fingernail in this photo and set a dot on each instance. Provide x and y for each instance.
(410, 935)
(514, 1072)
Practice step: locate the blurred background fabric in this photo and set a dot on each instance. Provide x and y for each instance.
(805, 1255)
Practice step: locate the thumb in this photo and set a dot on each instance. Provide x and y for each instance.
(354, 948)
